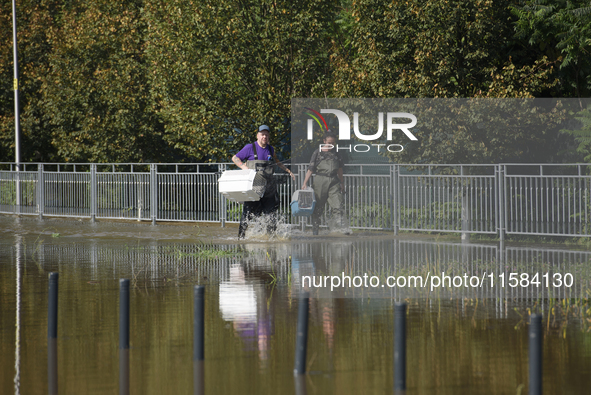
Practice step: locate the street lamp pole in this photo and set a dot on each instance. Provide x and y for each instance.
(17, 125)
(16, 101)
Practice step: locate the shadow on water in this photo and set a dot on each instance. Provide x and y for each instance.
(460, 339)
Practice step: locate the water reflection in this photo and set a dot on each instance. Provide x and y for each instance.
(465, 345)
(17, 343)
(245, 304)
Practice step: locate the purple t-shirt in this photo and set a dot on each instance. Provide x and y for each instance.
(247, 153)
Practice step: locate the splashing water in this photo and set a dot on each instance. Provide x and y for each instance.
(268, 227)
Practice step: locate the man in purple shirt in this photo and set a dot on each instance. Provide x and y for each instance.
(265, 155)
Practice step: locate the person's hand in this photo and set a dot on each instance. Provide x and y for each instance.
(342, 188)
(304, 186)
(292, 175)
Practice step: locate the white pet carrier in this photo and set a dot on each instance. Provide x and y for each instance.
(242, 185)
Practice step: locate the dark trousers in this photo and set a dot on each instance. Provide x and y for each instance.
(268, 205)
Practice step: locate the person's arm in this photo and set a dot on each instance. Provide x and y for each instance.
(341, 179)
(308, 175)
(282, 166)
(238, 162)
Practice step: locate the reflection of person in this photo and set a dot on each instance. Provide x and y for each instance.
(328, 183)
(259, 156)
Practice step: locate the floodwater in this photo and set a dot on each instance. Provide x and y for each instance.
(465, 341)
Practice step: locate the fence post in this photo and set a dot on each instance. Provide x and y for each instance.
(395, 169)
(153, 193)
(301, 177)
(93, 192)
(17, 185)
(501, 201)
(223, 204)
(40, 192)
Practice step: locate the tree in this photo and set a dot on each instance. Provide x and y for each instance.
(35, 18)
(221, 68)
(447, 49)
(582, 134)
(561, 29)
(96, 95)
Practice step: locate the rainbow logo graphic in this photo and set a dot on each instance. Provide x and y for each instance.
(317, 117)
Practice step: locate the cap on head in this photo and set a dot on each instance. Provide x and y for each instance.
(264, 127)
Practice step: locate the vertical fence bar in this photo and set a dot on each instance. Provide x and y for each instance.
(535, 355)
(40, 191)
(153, 194)
(502, 196)
(93, 193)
(223, 209)
(302, 335)
(400, 347)
(395, 169)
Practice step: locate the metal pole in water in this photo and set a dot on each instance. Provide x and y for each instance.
(198, 323)
(400, 347)
(535, 355)
(52, 306)
(302, 335)
(124, 336)
(123, 313)
(52, 334)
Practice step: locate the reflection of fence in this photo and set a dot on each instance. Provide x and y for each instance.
(508, 198)
(379, 257)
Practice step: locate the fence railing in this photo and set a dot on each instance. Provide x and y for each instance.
(527, 199)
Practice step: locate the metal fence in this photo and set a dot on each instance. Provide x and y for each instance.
(527, 199)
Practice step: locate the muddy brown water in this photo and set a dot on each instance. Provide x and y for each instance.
(465, 344)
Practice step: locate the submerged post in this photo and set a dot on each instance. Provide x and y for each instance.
(52, 334)
(302, 335)
(52, 306)
(124, 336)
(400, 347)
(198, 323)
(123, 314)
(535, 355)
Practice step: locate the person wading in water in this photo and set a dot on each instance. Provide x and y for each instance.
(328, 185)
(260, 156)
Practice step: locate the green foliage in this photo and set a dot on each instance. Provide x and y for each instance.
(96, 95)
(373, 215)
(434, 215)
(450, 49)
(435, 48)
(560, 29)
(147, 80)
(35, 19)
(219, 69)
(583, 133)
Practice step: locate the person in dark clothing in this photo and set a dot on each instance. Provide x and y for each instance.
(328, 185)
(260, 156)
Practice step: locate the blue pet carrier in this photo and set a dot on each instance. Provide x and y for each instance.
(303, 202)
